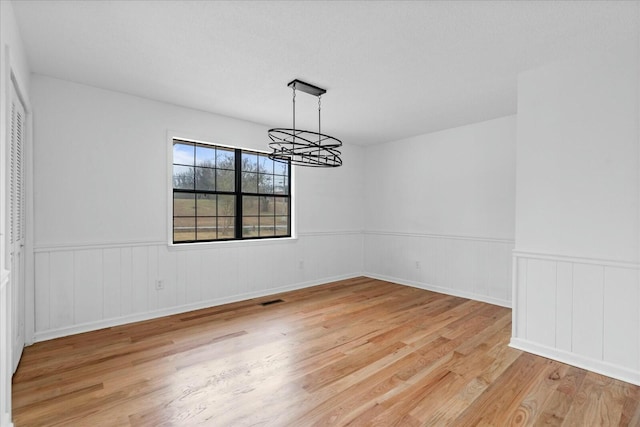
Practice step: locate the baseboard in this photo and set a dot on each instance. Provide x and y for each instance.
(441, 290)
(598, 366)
(107, 323)
(5, 420)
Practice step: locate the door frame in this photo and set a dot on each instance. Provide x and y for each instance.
(26, 275)
(29, 279)
(13, 81)
(10, 75)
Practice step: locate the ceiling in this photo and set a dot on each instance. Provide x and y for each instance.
(392, 69)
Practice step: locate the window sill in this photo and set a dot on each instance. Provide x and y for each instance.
(231, 243)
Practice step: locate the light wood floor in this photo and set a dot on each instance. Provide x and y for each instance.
(356, 352)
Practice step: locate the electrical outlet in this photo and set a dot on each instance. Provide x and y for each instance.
(301, 264)
(418, 265)
(159, 285)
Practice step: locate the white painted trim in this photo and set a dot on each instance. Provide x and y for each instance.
(598, 366)
(169, 188)
(638, 159)
(29, 262)
(441, 290)
(230, 244)
(5, 420)
(4, 277)
(204, 139)
(514, 294)
(260, 242)
(293, 200)
(6, 351)
(329, 233)
(5, 140)
(576, 260)
(20, 91)
(70, 246)
(440, 236)
(92, 326)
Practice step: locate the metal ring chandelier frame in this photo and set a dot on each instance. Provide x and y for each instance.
(304, 147)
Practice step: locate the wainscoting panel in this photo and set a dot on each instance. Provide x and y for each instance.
(579, 311)
(42, 276)
(139, 279)
(471, 267)
(564, 300)
(111, 275)
(88, 289)
(620, 308)
(588, 319)
(519, 325)
(542, 277)
(61, 289)
(81, 288)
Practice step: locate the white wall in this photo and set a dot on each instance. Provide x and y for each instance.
(578, 157)
(577, 214)
(100, 161)
(439, 210)
(13, 64)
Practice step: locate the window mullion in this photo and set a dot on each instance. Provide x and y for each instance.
(238, 192)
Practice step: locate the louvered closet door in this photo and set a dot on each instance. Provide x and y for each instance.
(16, 202)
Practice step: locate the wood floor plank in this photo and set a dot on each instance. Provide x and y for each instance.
(357, 352)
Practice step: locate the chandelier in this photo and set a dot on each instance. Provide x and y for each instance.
(304, 147)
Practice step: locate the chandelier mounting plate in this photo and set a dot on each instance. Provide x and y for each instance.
(306, 87)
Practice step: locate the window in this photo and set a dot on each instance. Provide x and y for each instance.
(223, 193)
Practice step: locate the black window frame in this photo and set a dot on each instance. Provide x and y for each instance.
(238, 193)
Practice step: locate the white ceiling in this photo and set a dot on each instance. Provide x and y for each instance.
(392, 69)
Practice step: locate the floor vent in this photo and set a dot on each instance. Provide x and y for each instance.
(273, 301)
